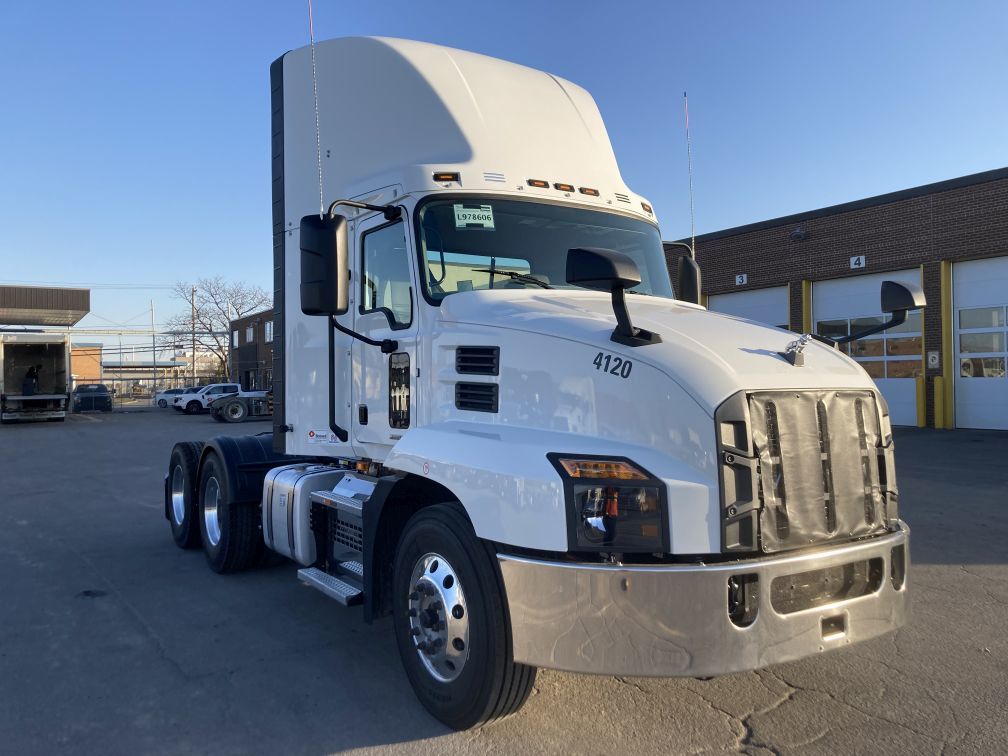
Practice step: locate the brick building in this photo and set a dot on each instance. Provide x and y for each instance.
(821, 271)
(251, 362)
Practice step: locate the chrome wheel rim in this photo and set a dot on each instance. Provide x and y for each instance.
(211, 501)
(438, 617)
(178, 495)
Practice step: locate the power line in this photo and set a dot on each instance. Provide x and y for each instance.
(90, 285)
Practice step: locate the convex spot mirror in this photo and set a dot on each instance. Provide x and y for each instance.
(601, 269)
(325, 258)
(898, 297)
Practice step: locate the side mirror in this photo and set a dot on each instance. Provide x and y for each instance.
(687, 287)
(902, 296)
(324, 265)
(896, 299)
(612, 271)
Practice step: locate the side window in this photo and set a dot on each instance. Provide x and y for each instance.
(385, 278)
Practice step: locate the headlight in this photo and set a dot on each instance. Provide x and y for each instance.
(612, 505)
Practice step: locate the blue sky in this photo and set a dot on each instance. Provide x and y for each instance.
(136, 134)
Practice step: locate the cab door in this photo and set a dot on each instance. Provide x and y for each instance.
(385, 308)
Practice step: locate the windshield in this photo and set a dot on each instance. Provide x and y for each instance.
(469, 244)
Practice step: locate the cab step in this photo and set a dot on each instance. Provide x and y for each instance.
(343, 590)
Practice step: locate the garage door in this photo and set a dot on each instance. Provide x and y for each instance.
(979, 300)
(768, 306)
(893, 357)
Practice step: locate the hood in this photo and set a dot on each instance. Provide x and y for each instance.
(710, 355)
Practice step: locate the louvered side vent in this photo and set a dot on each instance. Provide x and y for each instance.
(477, 360)
(622, 197)
(478, 397)
(493, 176)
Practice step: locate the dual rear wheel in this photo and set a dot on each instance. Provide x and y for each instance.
(449, 609)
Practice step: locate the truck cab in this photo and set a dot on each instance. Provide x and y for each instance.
(495, 421)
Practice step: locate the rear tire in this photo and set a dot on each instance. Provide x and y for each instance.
(182, 511)
(230, 531)
(483, 683)
(162, 403)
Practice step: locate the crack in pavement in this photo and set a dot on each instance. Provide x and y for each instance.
(869, 714)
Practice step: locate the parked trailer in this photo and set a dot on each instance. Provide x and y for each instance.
(45, 398)
(479, 432)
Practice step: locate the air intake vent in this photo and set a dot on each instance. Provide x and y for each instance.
(622, 197)
(478, 397)
(477, 360)
(491, 176)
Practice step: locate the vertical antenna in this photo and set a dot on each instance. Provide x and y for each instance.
(318, 137)
(689, 163)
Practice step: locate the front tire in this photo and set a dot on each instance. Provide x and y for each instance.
(193, 407)
(230, 531)
(451, 622)
(182, 509)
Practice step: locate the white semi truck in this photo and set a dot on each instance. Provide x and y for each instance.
(45, 395)
(496, 423)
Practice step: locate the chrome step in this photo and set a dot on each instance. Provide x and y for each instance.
(333, 587)
(353, 568)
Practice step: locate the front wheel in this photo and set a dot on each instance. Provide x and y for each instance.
(451, 622)
(193, 407)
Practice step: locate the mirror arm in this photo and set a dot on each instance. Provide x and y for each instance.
(623, 325)
(387, 345)
(391, 212)
(898, 318)
(684, 245)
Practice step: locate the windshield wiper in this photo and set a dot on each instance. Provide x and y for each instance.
(514, 276)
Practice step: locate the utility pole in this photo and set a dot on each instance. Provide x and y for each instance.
(193, 302)
(153, 344)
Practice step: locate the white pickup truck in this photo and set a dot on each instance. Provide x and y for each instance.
(496, 423)
(199, 400)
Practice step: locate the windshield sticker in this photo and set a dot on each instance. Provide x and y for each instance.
(474, 217)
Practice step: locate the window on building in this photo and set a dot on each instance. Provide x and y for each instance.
(269, 331)
(983, 342)
(234, 339)
(386, 279)
(894, 353)
(249, 334)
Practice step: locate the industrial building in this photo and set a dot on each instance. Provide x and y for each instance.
(251, 357)
(820, 272)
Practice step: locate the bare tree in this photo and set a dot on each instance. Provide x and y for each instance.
(217, 303)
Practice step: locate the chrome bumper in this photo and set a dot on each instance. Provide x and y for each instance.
(672, 621)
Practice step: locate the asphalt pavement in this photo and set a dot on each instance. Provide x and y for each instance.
(112, 640)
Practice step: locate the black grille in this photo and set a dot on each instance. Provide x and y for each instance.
(477, 360)
(345, 532)
(478, 397)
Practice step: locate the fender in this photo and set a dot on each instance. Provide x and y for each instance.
(246, 460)
(514, 496)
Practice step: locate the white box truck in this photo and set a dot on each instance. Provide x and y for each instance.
(34, 376)
(496, 423)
